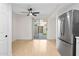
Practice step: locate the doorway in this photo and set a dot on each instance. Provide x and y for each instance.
(39, 29)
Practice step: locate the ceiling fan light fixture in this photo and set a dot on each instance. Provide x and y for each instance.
(30, 13)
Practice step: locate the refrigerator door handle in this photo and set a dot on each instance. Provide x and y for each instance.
(65, 41)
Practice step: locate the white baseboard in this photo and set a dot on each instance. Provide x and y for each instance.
(52, 39)
(24, 39)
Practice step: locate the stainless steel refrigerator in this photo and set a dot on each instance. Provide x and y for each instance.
(69, 29)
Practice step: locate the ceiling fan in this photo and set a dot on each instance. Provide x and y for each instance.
(30, 12)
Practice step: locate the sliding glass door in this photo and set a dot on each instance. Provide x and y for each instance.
(39, 29)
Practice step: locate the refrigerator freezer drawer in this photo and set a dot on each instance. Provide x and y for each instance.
(65, 49)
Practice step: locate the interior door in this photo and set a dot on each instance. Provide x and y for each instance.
(3, 38)
(4, 30)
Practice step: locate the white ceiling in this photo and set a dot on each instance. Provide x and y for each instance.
(45, 9)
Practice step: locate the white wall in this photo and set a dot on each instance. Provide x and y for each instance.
(22, 27)
(5, 29)
(51, 34)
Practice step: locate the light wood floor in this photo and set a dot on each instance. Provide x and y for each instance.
(34, 48)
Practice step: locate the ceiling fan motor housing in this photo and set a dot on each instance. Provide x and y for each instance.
(30, 9)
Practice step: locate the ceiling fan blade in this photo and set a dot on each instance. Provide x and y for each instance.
(24, 12)
(35, 12)
(34, 15)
